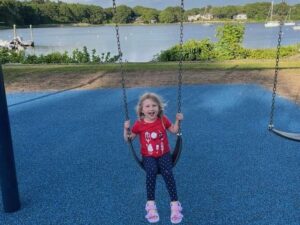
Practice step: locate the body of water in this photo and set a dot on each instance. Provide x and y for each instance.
(140, 43)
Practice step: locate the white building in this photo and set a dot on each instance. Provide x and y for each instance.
(194, 18)
(207, 16)
(241, 16)
(139, 20)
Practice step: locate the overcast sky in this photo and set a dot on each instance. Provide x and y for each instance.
(161, 4)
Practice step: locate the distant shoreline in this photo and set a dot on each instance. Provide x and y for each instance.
(129, 24)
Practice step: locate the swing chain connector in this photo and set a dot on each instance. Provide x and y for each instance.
(129, 138)
(270, 127)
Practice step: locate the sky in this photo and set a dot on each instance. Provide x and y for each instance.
(162, 4)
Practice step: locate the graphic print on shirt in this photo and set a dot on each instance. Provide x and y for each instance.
(161, 137)
(156, 140)
(148, 144)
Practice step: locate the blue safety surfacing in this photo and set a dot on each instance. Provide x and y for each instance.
(74, 168)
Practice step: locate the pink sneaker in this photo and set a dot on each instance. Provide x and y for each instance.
(152, 214)
(176, 215)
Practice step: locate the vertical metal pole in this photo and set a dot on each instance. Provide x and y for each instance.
(15, 31)
(8, 178)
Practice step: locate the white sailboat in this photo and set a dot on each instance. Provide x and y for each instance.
(288, 21)
(18, 43)
(297, 27)
(270, 22)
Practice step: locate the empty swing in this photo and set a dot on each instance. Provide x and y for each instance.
(271, 127)
(178, 147)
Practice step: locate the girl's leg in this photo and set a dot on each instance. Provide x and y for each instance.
(151, 168)
(165, 165)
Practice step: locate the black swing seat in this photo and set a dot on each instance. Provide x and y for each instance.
(175, 154)
(288, 135)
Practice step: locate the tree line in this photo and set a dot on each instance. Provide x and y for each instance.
(39, 12)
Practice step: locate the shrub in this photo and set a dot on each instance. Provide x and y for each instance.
(270, 53)
(229, 46)
(192, 50)
(77, 56)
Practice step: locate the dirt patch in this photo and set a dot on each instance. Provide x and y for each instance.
(52, 82)
(288, 80)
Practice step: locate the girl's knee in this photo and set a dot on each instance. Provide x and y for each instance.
(152, 170)
(167, 172)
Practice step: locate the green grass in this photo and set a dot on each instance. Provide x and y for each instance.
(13, 71)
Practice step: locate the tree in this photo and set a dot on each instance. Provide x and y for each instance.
(281, 10)
(295, 15)
(65, 13)
(226, 12)
(253, 13)
(194, 11)
(108, 14)
(170, 15)
(38, 1)
(30, 14)
(77, 12)
(9, 12)
(124, 15)
(147, 14)
(96, 15)
(230, 40)
(49, 12)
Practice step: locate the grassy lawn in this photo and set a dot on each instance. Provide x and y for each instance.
(13, 72)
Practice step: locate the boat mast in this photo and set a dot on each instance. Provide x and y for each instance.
(271, 16)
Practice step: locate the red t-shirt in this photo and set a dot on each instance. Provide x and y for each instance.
(153, 136)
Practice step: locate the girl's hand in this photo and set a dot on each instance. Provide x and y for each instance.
(127, 124)
(128, 135)
(179, 116)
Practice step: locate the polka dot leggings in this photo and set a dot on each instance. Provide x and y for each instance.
(164, 165)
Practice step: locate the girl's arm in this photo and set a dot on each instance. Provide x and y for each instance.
(127, 133)
(175, 127)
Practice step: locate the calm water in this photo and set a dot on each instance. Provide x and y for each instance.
(141, 43)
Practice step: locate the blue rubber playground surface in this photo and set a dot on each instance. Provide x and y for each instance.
(74, 168)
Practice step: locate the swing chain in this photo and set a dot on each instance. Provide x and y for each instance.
(180, 56)
(271, 125)
(180, 63)
(120, 54)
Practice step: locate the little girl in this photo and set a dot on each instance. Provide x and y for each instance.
(151, 127)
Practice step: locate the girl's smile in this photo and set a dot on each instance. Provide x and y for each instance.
(150, 109)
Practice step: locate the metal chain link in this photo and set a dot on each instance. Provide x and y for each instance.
(120, 54)
(180, 64)
(271, 124)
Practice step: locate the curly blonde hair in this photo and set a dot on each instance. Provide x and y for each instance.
(154, 97)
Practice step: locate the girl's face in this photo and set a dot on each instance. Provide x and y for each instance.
(150, 109)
